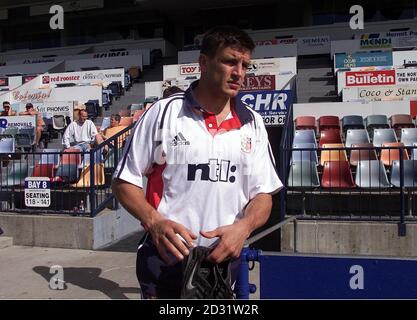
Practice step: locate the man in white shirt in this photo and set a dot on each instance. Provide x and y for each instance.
(209, 166)
(81, 133)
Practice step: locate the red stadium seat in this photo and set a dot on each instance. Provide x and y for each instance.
(329, 122)
(68, 156)
(44, 170)
(305, 122)
(337, 174)
(330, 136)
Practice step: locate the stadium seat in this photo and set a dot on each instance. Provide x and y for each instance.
(7, 145)
(337, 174)
(67, 172)
(115, 88)
(305, 122)
(328, 122)
(303, 174)
(149, 101)
(376, 121)
(27, 130)
(333, 155)
(126, 121)
(304, 155)
(110, 132)
(109, 162)
(409, 136)
(352, 122)
(362, 154)
(381, 136)
(71, 156)
(11, 130)
(304, 136)
(84, 180)
(410, 173)
(389, 155)
(371, 174)
(50, 156)
(16, 173)
(24, 141)
(329, 136)
(137, 115)
(105, 123)
(414, 152)
(58, 123)
(5, 136)
(355, 136)
(44, 170)
(92, 109)
(135, 106)
(399, 121)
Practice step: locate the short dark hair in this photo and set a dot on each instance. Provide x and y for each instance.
(29, 105)
(225, 36)
(170, 91)
(6, 102)
(116, 117)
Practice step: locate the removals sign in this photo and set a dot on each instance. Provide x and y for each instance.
(272, 105)
(372, 78)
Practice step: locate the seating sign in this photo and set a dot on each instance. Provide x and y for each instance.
(37, 192)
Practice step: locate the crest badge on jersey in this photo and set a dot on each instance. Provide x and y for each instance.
(246, 144)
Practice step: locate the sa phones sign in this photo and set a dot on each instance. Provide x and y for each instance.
(37, 192)
(272, 105)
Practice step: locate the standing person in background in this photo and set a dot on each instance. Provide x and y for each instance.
(40, 124)
(211, 174)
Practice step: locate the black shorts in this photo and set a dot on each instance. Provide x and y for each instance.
(156, 278)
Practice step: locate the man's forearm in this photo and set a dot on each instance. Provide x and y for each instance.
(257, 212)
(133, 200)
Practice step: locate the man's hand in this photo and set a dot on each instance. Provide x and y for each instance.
(164, 235)
(231, 240)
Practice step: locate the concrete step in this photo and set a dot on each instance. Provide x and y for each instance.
(6, 242)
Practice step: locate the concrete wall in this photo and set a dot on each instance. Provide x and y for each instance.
(111, 226)
(63, 231)
(356, 238)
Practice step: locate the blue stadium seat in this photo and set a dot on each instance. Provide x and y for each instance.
(371, 174)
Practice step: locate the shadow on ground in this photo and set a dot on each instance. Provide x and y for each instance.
(89, 279)
(128, 244)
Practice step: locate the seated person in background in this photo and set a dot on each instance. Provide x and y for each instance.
(7, 110)
(114, 129)
(81, 133)
(114, 123)
(40, 124)
(170, 91)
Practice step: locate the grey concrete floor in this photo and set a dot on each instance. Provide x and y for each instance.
(105, 274)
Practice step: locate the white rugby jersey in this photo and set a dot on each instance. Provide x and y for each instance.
(199, 175)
